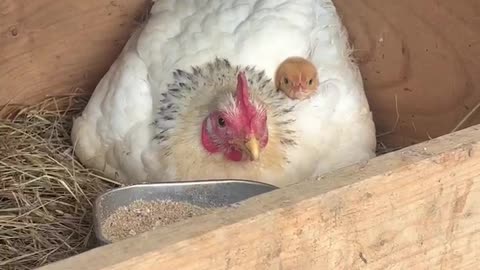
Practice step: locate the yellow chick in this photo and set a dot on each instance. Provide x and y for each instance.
(297, 78)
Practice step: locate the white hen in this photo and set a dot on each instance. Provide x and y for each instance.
(118, 131)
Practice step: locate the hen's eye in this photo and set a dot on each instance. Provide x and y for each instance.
(285, 81)
(310, 82)
(221, 122)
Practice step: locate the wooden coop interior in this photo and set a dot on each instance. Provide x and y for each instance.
(413, 208)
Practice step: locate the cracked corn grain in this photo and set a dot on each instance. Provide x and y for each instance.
(142, 216)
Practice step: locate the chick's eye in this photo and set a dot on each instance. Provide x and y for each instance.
(221, 122)
(310, 82)
(285, 80)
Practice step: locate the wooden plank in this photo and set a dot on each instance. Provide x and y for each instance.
(50, 47)
(417, 208)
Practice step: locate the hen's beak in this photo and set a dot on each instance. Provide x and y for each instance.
(253, 148)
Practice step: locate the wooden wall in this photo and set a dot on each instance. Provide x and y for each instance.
(49, 47)
(426, 53)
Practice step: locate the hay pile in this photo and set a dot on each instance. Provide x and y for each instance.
(46, 195)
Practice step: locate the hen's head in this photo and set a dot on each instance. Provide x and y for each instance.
(238, 128)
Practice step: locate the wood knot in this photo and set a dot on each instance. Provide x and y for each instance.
(13, 31)
(362, 257)
(8, 7)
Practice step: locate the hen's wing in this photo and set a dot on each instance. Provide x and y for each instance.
(112, 131)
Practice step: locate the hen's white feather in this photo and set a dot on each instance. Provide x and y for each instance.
(335, 126)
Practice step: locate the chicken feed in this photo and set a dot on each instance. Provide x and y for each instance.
(142, 216)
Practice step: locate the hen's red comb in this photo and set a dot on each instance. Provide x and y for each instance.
(243, 99)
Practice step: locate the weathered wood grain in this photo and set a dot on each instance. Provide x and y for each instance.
(417, 208)
(50, 47)
(427, 53)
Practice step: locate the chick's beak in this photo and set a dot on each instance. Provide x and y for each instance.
(299, 87)
(253, 148)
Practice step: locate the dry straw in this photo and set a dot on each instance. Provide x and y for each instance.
(46, 195)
